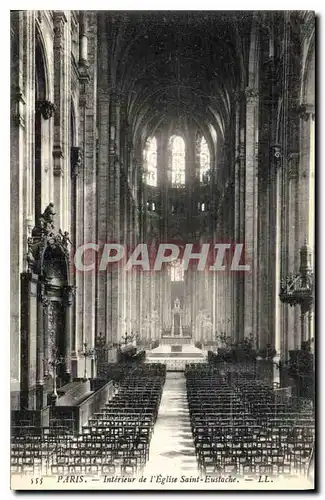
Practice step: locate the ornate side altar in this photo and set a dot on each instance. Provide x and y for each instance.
(45, 313)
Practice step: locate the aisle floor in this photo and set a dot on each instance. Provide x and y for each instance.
(172, 449)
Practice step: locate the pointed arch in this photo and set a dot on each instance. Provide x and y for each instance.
(42, 90)
(177, 271)
(150, 162)
(177, 160)
(205, 159)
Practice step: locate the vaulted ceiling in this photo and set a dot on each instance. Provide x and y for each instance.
(171, 65)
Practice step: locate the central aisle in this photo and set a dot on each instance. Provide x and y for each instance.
(172, 448)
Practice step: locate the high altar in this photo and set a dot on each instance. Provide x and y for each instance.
(176, 347)
(179, 333)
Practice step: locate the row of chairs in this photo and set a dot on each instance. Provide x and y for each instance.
(115, 440)
(239, 427)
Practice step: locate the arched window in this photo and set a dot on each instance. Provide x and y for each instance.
(177, 160)
(177, 271)
(150, 162)
(204, 159)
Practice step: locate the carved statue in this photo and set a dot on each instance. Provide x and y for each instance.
(76, 160)
(30, 253)
(65, 240)
(49, 213)
(46, 221)
(45, 234)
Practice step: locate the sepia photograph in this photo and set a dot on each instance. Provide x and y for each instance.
(162, 250)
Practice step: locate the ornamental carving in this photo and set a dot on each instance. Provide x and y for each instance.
(251, 94)
(42, 297)
(46, 109)
(297, 288)
(68, 294)
(45, 235)
(59, 22)
(55, 327)
(276, 153)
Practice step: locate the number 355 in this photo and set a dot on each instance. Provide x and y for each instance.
(36, 480)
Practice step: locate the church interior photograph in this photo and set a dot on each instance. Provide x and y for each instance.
(162, 258)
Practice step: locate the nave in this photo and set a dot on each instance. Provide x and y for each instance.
(188, 137)
(207, 421)
(172, 449)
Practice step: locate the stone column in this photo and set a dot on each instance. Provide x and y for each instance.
(293, 254)
(26, 45)
(83, 38)
(76, 166)
(311, 337)
(276, 307)
(68, 297)
(239, 229)
(262, 253)
(306, 194)
(21, 172)
(117, 111)
(250, 211)
(138, 238)
(103, 186)
(45, 304)
(113, 227)
(124, 278)
(89, 187)
(40, 352)
(61, 97)
(304, 325)
(83, 334)
(162, 183)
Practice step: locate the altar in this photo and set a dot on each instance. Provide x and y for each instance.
(176, 348)
(175, 356)
(169, 340)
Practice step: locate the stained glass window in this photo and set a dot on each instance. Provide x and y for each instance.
(150, 162)
(177, 271)
(177, 160)
(204, 159)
